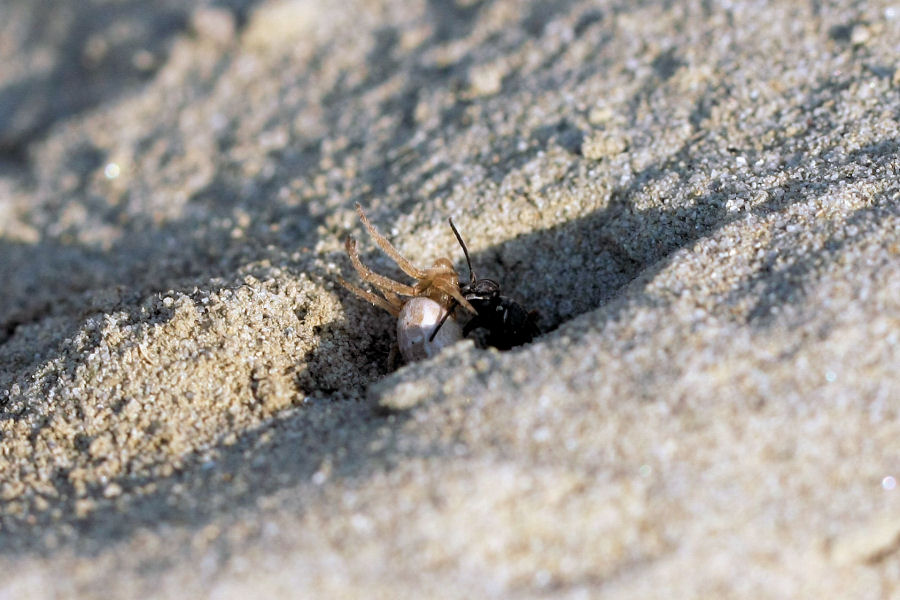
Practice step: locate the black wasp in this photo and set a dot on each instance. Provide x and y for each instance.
(507, 323)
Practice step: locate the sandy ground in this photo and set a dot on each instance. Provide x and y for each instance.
(700, 198)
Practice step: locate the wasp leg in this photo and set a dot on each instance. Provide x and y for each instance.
(442, 321)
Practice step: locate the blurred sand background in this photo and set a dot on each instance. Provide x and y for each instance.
(701, 198)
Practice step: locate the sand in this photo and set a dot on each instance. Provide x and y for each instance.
(700, 199)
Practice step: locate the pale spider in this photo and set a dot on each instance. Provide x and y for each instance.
(440, 282)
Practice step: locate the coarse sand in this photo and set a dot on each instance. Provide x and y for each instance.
(700, 199)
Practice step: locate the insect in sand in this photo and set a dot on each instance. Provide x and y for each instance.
(508, 323)
(422, 320)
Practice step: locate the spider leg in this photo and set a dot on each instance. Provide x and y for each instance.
(453, 292)
(406, 266)
(365, 295)
(391, 297)
(393, 357)
(380, 281)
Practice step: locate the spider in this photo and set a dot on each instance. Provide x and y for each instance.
(439, 284)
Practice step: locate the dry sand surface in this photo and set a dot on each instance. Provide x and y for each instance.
(700, 198)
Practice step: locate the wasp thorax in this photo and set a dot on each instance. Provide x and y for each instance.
(418, 320)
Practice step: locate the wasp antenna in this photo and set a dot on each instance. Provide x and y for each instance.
(465, 250)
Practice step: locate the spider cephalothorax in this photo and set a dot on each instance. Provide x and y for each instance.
(440, 282)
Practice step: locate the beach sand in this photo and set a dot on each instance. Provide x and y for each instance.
(700, 199)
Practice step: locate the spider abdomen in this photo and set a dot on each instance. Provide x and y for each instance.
(418, 319)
